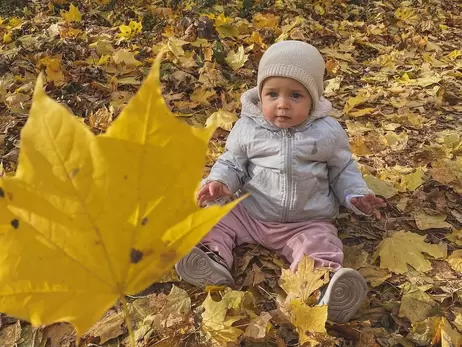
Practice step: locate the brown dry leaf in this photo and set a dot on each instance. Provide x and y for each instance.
(449, 172)
(305, 281)
(10, 335)
(355, 257)
(259, 327)
(175, 311)
(108, 328)
(374, 275)
(425, 221)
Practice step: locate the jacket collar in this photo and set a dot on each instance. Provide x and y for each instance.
(251, 107)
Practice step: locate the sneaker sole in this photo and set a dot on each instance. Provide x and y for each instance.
(344, 295)
(198, 269)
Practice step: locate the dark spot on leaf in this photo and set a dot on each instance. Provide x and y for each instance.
(15, 223)
(144, 221)
(9, 195)
(2, 193)
(125, 177)
(75, 172)
(135, 256)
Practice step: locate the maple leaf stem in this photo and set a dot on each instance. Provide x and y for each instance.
(128, 321)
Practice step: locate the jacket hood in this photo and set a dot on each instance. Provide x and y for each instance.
(251, 108)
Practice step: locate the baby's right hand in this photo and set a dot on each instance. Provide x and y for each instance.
(211, 192)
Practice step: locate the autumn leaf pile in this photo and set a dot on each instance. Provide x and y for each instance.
(393, 75)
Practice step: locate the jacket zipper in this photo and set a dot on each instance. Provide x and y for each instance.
(288, 167)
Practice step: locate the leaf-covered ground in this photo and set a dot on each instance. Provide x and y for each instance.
(394, 77)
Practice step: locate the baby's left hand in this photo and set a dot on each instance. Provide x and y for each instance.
(369, 204)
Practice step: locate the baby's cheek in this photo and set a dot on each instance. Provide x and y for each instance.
(267, 112)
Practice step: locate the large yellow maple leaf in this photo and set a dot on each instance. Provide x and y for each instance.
(87, 219)
(403, 248)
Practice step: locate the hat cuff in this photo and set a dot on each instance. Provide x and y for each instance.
(281, 70)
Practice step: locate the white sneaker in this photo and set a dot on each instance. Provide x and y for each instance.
(200, 268)
(344, 294)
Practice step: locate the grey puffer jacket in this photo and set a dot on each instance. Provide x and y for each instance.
(292, 175)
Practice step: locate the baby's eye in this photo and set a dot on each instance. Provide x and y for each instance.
(272, 94)
(296, 95)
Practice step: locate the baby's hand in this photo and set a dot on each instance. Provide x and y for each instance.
(211, 192)
(369, 204)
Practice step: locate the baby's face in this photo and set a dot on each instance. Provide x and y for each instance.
(285, 102)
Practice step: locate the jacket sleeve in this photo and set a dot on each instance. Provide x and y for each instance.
(231, 167)
(344, 175)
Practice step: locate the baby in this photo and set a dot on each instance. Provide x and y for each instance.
(295, 162)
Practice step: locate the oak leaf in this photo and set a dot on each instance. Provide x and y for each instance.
(92, 218)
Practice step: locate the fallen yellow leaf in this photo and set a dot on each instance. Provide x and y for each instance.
(130, 30)
(425, 221)
(98, 216)
(265, 21)
(361, 112)
(305, 281)
(416, 305)
(456, 237)
(455, 260)
(357, 100)
(222, 119)
(374, 275)
(73, 15)
(379, 187)
(397, 142)
(404, 248)
(412, 181)
(202, 95)
(308, 320)
(236, 60)
(359, 147)
(126, 57)
(215, 320)
(435, 330)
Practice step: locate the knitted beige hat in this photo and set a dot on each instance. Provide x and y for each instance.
(295, 59)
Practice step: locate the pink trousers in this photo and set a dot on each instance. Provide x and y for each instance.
(317, 239)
